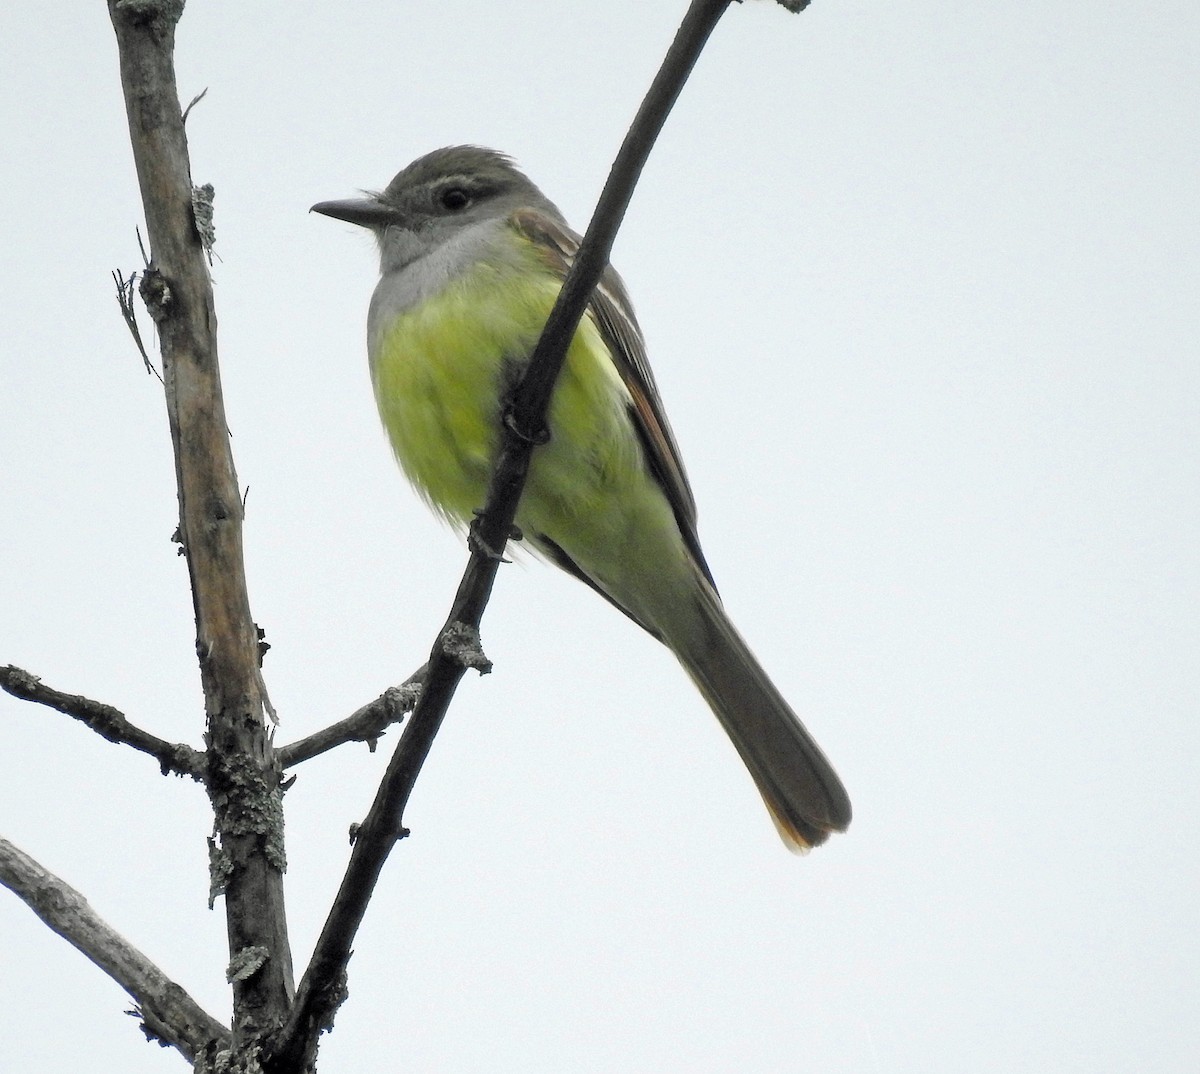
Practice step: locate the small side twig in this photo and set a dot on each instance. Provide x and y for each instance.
(366, 724)
(197, 99)
(168, 1014)
(109, 723)
(125, 289)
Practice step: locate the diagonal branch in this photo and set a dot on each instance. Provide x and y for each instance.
(366, 724)
(168, 1013)
(106, 721)
(322, 986)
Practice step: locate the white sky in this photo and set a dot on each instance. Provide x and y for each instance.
(921, 287)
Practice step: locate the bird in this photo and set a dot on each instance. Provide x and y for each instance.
(472, 257)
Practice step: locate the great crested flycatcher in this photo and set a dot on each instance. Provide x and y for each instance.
(473, 255)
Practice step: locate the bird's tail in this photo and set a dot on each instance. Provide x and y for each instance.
(803, 793)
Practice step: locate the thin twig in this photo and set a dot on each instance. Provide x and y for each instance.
(367, 724)
(129, 314)
(106, 721)
(204, 93)
(319, 989)
(167, 1012)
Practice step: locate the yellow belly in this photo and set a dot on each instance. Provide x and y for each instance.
(439, 372)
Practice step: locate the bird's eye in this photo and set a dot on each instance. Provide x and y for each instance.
(455, 198)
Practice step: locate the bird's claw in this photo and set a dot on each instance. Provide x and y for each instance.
(477, 544)
(539, 436)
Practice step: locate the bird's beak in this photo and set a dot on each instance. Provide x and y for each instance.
(367, 212)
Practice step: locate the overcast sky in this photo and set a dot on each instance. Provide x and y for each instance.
(920, 284)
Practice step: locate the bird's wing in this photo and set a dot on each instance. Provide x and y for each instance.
(613, 313)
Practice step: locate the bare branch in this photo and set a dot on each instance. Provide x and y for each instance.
(167, 1012)
(367, 724)
(106, 721)
(319, 990)
(243, 776)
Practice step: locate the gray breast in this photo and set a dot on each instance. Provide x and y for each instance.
(414, 268)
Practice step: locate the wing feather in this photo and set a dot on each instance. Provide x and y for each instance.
(613, 313)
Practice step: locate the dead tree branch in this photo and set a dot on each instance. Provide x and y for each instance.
(167, 1012)
(366, 724)
(243, 774)
(106, 721)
